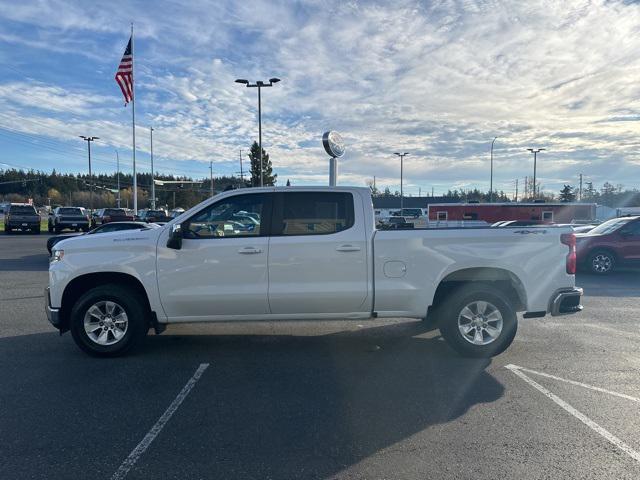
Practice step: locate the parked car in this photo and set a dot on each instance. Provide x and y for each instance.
(107, 215)
(106, 228)
(23, 217)
(315, 254)
(68, 217)
(399, 223)
(613, 243)
(176, 211)
(153, 216)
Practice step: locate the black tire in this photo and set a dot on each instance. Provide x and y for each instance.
(7, 230)
(36, 231)
(129, 301)
(85, 229)
(50, 228)
(57, 230)
(601, 262)
(465, 296)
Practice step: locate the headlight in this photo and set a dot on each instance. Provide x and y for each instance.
(57, 255)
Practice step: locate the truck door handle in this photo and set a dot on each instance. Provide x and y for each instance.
(348, 248)
(249, 250)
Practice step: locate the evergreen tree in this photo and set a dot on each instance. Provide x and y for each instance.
(567, 194)
(268, 178)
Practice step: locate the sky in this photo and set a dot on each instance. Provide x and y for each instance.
(437, 79)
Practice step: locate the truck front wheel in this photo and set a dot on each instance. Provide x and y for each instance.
(477, 321)
(108, 321)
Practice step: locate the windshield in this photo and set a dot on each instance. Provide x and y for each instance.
(609, 226)
(115, 212)
(22, 210)
(70, 211)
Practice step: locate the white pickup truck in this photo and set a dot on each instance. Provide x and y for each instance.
(307, 253)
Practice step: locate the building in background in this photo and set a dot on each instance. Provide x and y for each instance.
(496, 212)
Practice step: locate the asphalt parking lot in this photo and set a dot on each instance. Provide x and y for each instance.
(306, 400)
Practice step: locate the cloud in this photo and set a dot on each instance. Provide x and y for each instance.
(439, 79)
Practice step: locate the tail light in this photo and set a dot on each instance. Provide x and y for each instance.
(569, 239)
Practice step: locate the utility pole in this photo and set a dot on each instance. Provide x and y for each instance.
(241, 172)
(491, 181)
(89, 140)
(526, 187)
(431, 192)
(401, 155)
(211, 176)
(580, 191)
(374, 183)
(153, 183)
(419, 191)
(516, 190)
(535, 157)
(259, 84)
(118, 175)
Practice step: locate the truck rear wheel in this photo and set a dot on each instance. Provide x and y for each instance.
(108, 321)
(478, 321)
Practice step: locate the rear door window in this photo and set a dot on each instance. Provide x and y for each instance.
(313, 213)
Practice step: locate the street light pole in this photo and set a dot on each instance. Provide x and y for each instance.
(259, 85)
(211, 176)
(401, 155)
(153, 183)
(491, 182)
(89, 140)
(535, 158)
(118, 174)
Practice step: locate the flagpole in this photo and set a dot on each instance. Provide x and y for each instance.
(133, 127)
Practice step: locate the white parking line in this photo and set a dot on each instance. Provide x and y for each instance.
(159, 425)
(578, 384)
(579, 415)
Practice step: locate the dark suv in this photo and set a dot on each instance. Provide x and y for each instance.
(21, 217)
(612, 243)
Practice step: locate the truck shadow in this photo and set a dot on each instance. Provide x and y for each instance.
(269, 406)
(292, 406)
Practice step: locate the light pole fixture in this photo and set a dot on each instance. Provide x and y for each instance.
(491, 181)
(259, 85)
(89, 140)
(535, 152)
(401, 155)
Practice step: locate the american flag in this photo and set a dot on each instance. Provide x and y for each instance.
(124, 75)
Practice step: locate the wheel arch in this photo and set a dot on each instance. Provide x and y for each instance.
(83, 283)
(503, 280)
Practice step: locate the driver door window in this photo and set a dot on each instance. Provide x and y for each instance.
(238, 216)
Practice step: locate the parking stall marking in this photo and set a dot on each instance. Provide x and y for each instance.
(573, 382)
(610, 437)
(135, 454)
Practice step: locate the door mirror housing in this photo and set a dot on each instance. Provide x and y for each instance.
(175, 237)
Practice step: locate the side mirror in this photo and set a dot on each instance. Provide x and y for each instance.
(175, 237)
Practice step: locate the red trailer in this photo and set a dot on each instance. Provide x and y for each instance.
(496, 212)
